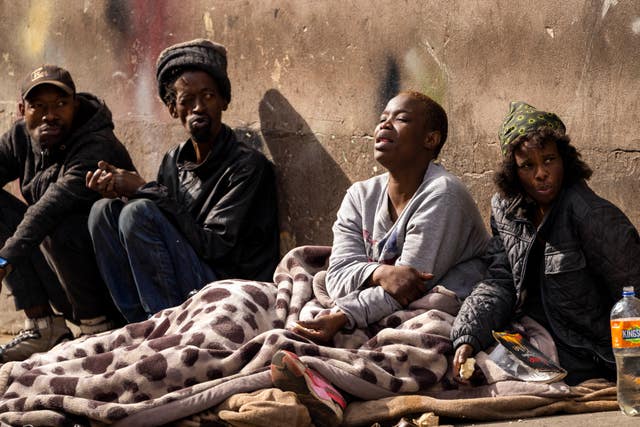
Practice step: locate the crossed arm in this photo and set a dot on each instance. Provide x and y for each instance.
(405, 284)
(371, 290)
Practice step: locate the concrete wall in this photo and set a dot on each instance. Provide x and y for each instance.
(310, 78)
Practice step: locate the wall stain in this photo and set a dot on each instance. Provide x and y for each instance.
(140, 34)
(37, 29)
(208, 25)
(390, 83)
(116, 12)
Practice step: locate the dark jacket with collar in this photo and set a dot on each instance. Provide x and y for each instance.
(591, 250)
(52, 182)
(226, 207)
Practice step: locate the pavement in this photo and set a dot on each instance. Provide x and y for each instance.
(596, 419)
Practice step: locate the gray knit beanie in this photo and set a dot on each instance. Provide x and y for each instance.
(201, 54)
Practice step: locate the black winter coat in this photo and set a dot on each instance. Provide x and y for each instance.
(226, 207)
(53, 182)
(591, 250)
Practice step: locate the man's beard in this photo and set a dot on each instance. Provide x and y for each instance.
(200, 135)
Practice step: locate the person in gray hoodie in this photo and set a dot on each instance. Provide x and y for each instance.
(396, 236)
(46, 255)
(400, 233)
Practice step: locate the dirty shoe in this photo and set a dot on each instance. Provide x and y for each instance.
(95, 325)
(39, 335)
(324, 403)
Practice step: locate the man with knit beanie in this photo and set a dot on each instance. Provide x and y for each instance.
(46, 254)
(211, 214)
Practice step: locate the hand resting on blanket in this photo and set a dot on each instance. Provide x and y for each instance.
(322, 329)
(405, 284)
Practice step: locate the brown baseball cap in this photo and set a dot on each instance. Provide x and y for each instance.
(48, 74)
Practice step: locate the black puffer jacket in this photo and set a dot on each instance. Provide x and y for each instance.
(226, 207)
(591, 250)
(53, 182)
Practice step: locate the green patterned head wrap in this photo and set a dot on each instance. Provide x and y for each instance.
(524, 118)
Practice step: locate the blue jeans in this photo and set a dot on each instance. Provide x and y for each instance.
(145, 261)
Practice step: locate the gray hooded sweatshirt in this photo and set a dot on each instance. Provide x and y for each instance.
(440, 231)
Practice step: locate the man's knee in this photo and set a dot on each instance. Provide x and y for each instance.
(11, 211)
(138, 214)
(103, 211)
(71, 234)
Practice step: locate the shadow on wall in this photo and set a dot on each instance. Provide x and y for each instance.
(390, 84)
(311, 185)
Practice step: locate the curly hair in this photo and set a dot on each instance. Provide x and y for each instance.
(436, 117)
(575, 169)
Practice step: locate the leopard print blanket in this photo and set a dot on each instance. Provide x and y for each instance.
(219, 343)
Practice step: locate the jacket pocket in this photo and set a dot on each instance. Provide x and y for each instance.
(564, 261)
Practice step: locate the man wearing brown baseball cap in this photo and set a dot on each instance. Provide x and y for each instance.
(46, 254)
(51, 75)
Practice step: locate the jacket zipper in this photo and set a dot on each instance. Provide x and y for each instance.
(526, 261)
(44, 154)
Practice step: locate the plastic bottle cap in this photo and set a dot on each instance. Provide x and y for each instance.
(628, 291)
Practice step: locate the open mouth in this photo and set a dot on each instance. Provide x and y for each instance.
(382, 143)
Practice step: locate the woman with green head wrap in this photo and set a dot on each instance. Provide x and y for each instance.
(559, 254)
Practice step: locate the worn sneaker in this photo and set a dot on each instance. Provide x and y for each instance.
(39, 335)
(324, 403)
(95, 325)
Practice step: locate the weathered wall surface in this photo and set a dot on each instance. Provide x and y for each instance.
(309, 80)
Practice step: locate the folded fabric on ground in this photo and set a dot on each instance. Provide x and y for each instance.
(219, 344)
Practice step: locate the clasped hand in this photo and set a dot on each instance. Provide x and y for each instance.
(111, 181)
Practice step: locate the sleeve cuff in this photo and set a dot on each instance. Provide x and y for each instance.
(151, 190)
(467, 339)
(351, 324)
(367, 306)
